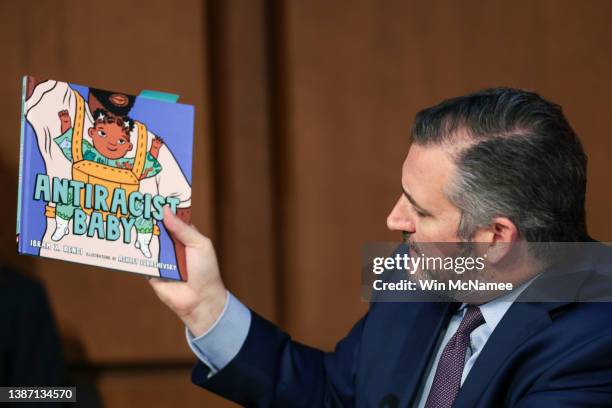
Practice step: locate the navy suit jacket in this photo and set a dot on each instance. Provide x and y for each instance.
(553, 354)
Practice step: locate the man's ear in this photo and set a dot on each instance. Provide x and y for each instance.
(90, 132)
(130, 146)
(499, 238)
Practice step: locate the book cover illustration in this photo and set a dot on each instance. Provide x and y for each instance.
(96, 169)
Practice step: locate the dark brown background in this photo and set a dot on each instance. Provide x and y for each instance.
(303, 112)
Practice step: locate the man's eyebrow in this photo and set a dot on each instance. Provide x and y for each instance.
(414, 203)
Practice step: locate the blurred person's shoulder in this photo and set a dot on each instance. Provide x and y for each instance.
(21, 297)
(17, 288)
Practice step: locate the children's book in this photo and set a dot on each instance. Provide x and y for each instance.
(96, 169)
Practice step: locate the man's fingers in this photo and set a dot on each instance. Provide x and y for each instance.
(185, 233)
(153, 281)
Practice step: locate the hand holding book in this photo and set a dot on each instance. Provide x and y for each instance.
(200, 300)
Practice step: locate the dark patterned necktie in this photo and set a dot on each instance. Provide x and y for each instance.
(447, 380)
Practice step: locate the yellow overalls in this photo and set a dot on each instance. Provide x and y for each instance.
(97, 173)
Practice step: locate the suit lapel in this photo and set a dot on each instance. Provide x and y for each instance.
(421, 323)
(561, 285)
(522, 321)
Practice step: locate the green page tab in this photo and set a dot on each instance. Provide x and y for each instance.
(159, 96)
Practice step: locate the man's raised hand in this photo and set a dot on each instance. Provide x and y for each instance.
(199, 301)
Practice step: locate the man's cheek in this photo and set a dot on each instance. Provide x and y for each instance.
(433, 231)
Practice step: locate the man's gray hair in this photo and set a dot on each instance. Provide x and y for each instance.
(516, 156)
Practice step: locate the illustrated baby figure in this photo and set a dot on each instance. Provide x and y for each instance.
(110, 135)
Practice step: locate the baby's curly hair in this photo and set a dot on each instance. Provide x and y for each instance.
(105, 116)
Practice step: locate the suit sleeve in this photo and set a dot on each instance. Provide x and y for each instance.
(272, 370)
(581, 377)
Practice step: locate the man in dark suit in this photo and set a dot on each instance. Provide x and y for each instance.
(502, 168)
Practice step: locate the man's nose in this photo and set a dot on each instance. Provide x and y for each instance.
(399, 219)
